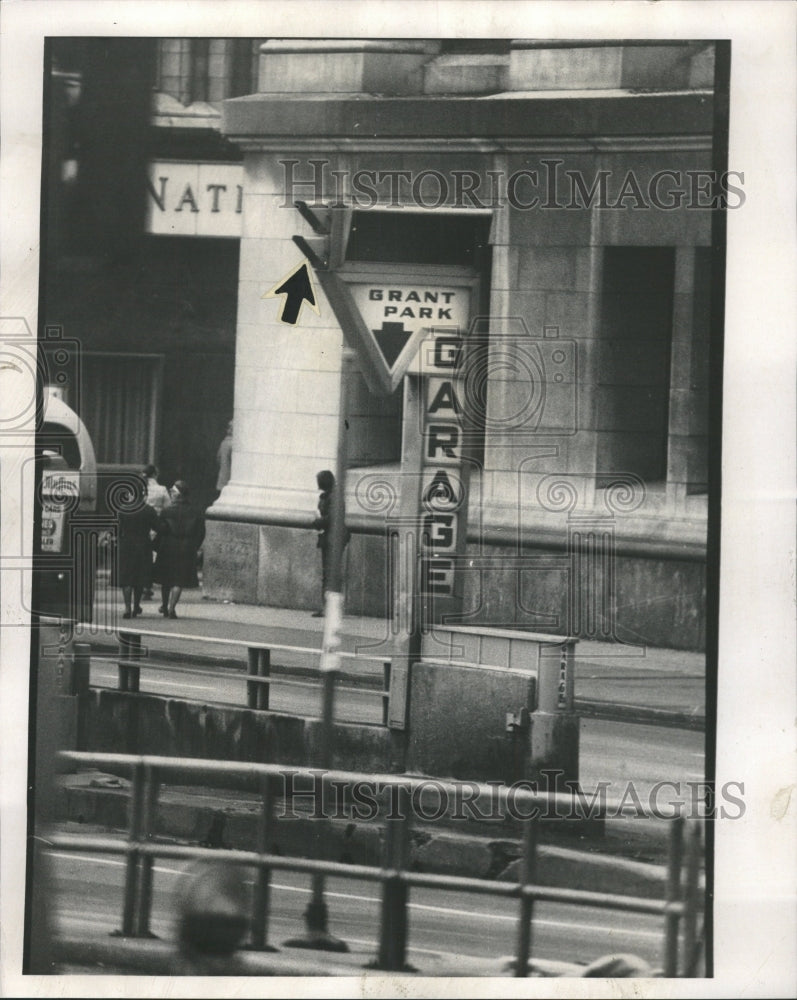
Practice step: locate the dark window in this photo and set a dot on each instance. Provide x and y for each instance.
(244, 57)
(121, 404)
(633, 382)
(415, 238)
(200, 57)
(207, 69)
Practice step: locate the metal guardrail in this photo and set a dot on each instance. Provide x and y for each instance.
(260, 674)
(259, 662)
(258, 657)
(679, 908)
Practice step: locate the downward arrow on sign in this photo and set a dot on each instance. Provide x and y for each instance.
(297, 288)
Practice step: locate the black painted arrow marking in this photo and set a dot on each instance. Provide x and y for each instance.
(297, 288)
(391, 339)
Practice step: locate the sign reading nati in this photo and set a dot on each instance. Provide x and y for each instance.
(194, 199)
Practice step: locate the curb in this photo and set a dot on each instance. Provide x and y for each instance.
(640, 714)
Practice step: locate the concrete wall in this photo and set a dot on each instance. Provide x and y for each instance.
(658, 602)
(115, 722)
(457, 728)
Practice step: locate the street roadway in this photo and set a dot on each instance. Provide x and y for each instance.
(447, 930)
(612, 751)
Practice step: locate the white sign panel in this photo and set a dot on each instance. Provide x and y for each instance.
(393, 313)
(414, 305)
(57, 489)
(194, 199)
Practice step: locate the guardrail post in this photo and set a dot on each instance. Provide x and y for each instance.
(81, 667)
(130, 901)
(251, 689)
(129, 677)
(129, 682)
(258, 665)
(528, 864)
(691, 885)
(386, 692)
(393, 926)
(148, 818)
(134, 675)
(124, 654)
(262, 894)
(263, 670)
(673, 895)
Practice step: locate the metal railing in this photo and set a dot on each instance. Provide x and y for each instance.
(258, 678)
(679, 908)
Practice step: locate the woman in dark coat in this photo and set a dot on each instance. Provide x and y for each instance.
(181, 532)
(134, 549)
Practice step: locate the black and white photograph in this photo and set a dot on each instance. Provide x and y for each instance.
(398, 485)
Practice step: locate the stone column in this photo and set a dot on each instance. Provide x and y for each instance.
(287, 394)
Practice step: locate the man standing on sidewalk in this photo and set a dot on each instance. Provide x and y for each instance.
(322, 524)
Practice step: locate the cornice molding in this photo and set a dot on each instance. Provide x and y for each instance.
(444, 145)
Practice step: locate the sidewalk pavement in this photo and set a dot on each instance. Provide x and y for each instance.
(633, 683)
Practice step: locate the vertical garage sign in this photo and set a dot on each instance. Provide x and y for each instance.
(445, 469)
(419, 327)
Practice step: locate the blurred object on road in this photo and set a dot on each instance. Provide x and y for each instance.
(619, 967)
(213, 908)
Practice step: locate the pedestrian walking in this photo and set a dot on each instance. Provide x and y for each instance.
(158, 498)
(224, 460)
(134, 547)
(181, 531)
(323, 525)
(157, 495)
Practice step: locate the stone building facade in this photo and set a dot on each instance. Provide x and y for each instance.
(572, 186)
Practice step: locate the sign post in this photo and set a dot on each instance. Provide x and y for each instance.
(316, 915)
(385, 316)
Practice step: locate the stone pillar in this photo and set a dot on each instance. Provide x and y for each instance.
(287, 378)
(287, 394)
(687, 460)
